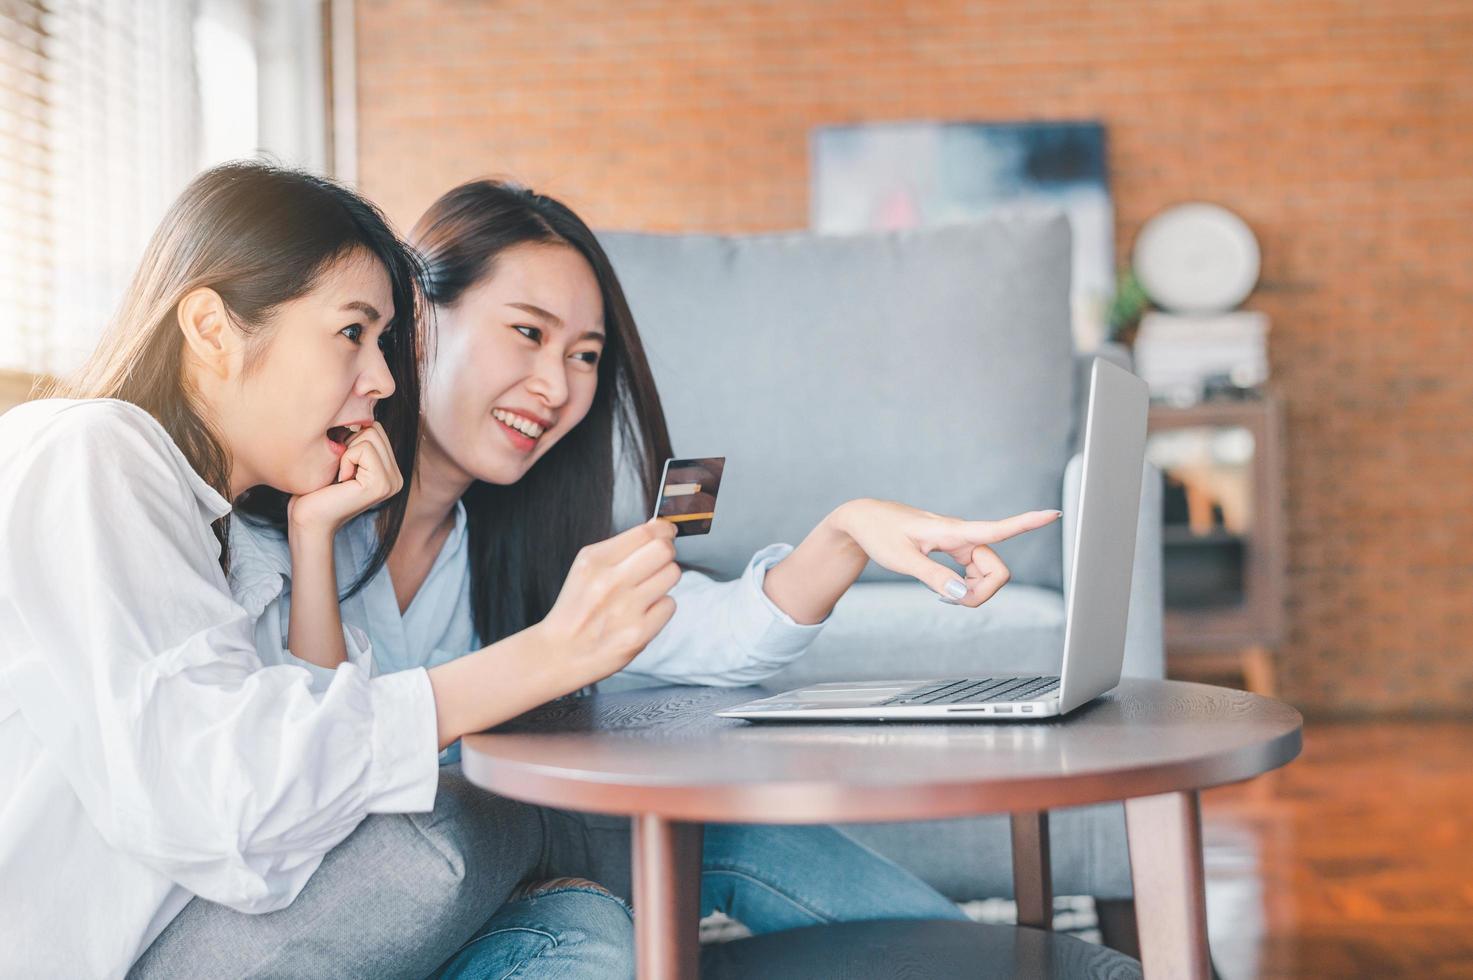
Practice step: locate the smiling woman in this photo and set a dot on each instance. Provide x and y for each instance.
(538, 364)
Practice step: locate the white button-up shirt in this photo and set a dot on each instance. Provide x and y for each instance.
(146, 754)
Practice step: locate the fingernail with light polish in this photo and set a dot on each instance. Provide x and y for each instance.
(956, 589)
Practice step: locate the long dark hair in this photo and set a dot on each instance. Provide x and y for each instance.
(260, 236)
(523, 537)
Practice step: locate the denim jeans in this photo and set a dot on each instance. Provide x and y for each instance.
(768, 877)
(778, 877)
(568, 932)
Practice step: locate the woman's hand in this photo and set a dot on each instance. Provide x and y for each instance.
(903, 538)
(612, 603)
(808, 582)
(368, 475)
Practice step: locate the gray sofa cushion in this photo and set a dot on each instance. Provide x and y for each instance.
(932, 367)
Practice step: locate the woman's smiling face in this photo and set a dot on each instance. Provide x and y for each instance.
(514, 363)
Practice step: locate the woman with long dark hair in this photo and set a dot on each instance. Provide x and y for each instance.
(537, 395)
(266, 357)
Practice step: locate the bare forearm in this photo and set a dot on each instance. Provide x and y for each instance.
(315, 633)
(809, 581)
(494, 684)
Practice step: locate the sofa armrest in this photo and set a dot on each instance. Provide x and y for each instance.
(1145, 653)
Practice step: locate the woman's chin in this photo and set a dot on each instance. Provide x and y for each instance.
(300, 484)
(499, 471)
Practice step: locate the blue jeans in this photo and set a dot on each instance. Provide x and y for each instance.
(768, 878)
(567, 932)
(771, 878)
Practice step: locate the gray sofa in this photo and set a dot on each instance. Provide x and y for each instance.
(933, 367)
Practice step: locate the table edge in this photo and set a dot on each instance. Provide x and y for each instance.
(829, 801)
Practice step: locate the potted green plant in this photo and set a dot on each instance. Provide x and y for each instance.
(1130, 303)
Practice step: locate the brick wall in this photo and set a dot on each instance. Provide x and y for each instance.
(1342, 131)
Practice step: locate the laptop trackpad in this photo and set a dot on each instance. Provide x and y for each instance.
(850, 695)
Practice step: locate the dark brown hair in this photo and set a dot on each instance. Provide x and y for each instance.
(523, 538)
(259, 236)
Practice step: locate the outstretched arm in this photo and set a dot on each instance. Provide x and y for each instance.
(807, 583)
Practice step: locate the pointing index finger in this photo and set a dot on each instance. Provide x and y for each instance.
(989, 532)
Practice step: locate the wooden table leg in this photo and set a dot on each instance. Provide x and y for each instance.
(1165, 834)
(667, 897)
(1258, 671)
(1033, 885)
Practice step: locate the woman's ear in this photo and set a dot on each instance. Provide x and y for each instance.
(209, 332)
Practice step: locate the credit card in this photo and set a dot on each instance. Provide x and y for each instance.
(688, 489)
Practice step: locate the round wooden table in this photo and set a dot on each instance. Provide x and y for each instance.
(663, 758)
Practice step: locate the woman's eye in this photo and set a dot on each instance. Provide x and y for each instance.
(531, 333)
(353, 333)
(385, 340)
(587, 357)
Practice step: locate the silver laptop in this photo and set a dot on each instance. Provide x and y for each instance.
(1098, 597)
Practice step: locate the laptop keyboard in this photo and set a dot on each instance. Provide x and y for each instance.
(974, 691)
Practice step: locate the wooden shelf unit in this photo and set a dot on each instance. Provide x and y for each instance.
(1244, 637)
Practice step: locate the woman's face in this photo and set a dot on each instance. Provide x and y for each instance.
(288, 410)
(514, 363)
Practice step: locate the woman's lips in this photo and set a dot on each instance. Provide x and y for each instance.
(519, 441)
(338, 436)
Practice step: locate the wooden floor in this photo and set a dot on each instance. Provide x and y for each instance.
(1354, 861)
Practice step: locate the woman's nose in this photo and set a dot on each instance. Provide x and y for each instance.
(549, 381)
(377, 381)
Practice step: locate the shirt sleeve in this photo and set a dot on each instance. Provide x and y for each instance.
(725, 633)
(136, 669)
(260, 568)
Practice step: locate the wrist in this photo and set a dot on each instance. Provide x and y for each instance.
(309, 539)
(834, 531)
(466, 700)
(536, 649)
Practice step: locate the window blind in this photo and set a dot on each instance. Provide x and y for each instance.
(25, 184)
(99, 130)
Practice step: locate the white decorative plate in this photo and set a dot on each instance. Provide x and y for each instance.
(1196, 258)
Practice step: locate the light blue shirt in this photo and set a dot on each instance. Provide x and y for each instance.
(722, 633)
